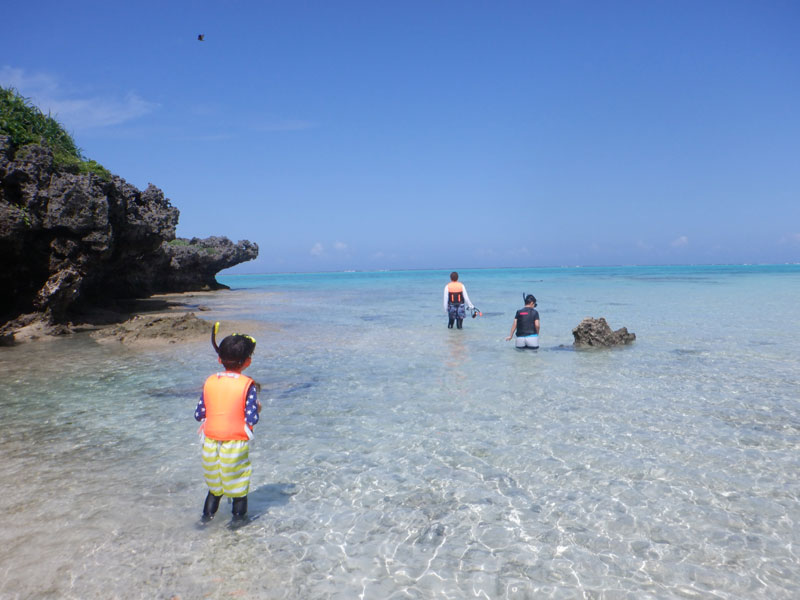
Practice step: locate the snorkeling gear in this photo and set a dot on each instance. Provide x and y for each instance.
(526, 296)
(476, 312)
(214, 331)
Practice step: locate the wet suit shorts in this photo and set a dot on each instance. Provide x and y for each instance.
(456, 311)
(527, 341)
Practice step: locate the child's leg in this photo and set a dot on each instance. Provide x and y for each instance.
(211, 473)
(211, 506)
(239, 507)
(235, 471)
(212, 466)
(451, 316)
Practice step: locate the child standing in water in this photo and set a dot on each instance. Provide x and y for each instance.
(526, 325)
(229, 407)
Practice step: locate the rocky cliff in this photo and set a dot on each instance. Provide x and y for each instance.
(68, 242)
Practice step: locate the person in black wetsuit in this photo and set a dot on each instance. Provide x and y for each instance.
(526, 325)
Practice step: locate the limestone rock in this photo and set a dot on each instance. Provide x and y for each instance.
(172, 328)
(593, 332)
(189, 265)
(71, 241)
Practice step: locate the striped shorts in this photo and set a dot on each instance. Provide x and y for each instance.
(226, 467)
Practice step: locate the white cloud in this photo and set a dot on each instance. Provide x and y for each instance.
(680, 242)
(100, 112)
(340, 246)
(317, 250)
(27, 84)
(74, 110)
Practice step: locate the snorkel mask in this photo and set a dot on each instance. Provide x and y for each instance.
(215, 330)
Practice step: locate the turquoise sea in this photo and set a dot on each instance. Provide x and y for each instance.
(397, 459)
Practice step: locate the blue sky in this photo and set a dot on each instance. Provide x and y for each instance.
(391, 135)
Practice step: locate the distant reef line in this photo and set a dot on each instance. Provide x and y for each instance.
(72, 242)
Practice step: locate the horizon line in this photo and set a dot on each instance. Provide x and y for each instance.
(445, 269)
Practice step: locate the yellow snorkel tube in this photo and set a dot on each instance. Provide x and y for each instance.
(214, 331)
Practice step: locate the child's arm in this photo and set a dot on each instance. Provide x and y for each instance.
(252, 406)
(513, 329)
(200, 411)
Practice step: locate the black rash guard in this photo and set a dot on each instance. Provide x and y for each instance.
(526, 318)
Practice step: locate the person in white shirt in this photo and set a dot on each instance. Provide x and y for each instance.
(456, 301)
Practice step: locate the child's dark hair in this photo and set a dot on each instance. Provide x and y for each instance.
(235, 349)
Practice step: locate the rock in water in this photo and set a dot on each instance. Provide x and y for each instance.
(596, 333)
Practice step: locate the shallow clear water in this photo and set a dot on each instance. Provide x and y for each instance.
(399, 459)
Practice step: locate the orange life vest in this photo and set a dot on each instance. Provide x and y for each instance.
(455, 290)
(225, 396)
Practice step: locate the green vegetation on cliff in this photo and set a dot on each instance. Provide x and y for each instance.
(26, 124)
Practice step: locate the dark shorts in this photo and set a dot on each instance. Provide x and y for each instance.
(456, 311)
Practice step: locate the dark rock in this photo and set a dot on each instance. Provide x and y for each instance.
(69, 242)
(188, 265)
(31, 326)
(596, 333)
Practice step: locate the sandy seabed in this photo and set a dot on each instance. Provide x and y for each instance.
(398, 459)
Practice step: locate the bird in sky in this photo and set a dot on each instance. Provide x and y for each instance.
(201, 38)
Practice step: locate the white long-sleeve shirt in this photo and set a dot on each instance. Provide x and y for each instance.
(463, 291)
